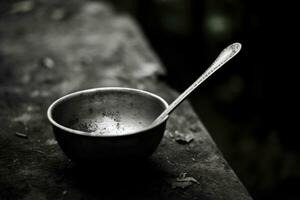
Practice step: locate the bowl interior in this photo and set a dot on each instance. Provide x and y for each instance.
(108, 112)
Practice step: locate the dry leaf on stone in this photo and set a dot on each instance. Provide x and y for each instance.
(182, 178)
(182, 181)
(183, 138)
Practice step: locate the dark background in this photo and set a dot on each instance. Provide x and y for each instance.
(247, 106)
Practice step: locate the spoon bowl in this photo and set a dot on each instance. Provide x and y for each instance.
(117, 123)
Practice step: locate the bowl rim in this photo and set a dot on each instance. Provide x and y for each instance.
(83, 133)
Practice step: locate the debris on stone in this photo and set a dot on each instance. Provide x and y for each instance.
(51, 142)
(169, 134)
(25, 117)
(31, 108)
(58, 14)
(194, 127)
(146, 70)
(182, 138)
(181, 184)
(21, 135)
(141, 86)
(48, 62)
(37, 93)
(182, 181)
(182, 178)
(39, 151)
(22, 7)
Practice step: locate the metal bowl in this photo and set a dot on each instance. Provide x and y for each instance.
(107, 124)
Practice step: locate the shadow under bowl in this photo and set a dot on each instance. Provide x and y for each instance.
(107, 124)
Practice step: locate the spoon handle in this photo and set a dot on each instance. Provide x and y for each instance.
(228, 53)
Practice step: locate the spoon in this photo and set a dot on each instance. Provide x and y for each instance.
(227, 53)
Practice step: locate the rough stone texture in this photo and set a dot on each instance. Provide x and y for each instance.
(49, 49)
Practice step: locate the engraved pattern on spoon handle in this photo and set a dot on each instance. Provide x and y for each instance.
(228, 53)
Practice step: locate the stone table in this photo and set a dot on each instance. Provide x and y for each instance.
(49, 49)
